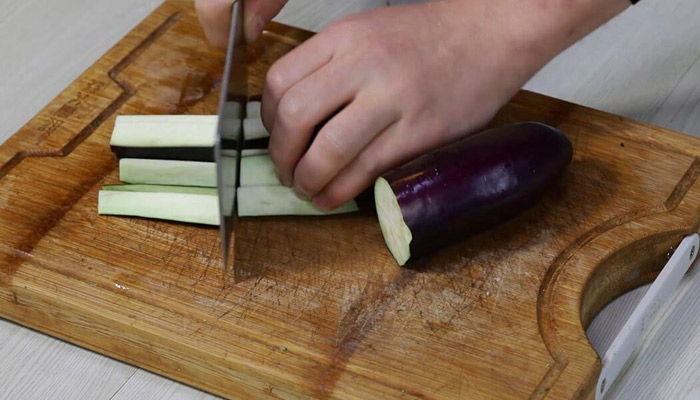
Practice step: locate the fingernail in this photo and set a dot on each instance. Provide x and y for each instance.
(320, 202)
(283, 180)
(277, 173)
(254, 27)
(301, 194)
(286, 181)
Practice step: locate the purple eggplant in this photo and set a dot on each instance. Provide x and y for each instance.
(468, 186)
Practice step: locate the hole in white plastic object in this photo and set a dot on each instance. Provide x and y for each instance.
(624, 347)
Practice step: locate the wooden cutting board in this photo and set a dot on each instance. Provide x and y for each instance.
(327, 313)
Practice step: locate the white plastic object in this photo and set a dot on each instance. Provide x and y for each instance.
(624, 348)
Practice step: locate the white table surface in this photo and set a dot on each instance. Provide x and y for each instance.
(645, 65)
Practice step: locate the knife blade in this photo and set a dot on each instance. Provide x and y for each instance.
(229, 134)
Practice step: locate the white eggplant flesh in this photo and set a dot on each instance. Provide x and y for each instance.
(254, 129)
(167, 172)
(160, 189)
(181, 207)
(254, 152)
(258, 171)
(253, 109)
(258, 201)
(164, 131)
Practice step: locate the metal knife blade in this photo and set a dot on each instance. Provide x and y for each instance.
(229, 134)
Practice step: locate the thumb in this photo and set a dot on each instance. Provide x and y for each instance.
(257, 14)
(215, 17)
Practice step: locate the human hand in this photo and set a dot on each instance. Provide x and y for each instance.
(215, 17)
(402, 80)
(405, 80)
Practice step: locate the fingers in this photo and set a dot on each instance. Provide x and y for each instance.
(295, 66)
(215, 17)
(339, 142)
(257, 14)
(356, 176)
(301, 109)
(389, 149)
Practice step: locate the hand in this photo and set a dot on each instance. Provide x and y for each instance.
(405, 80)
(215, 17)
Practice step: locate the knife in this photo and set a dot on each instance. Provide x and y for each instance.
(229, 133)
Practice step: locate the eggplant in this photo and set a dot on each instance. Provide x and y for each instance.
(167, 160)
(253, 128)
(258, 171)
(171, 137)
(204, 154)
(200, 205)
(258, 201)
(256, 144)
(167, 172)
(468, 186)
(168, 137)
(184, 204)
(160, 189)
(176, 172)
(253, 109)
(253, 152)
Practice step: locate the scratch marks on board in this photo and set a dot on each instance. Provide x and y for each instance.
(356, 324)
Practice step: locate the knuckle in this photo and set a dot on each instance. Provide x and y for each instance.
(276, 81)
(401, 90)
(338, 26)
(435, 125)
(396, 89)
(289, 113)
(380, 49)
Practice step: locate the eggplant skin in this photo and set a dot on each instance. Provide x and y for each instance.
(260, 143)
(165, 153)
(477, 183)
(172, 153)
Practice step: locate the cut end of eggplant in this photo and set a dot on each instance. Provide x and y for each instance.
(258, 171)
(164, 131)
(254, 129)
(396, 233)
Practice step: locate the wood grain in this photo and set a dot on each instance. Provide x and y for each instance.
(498, 315)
